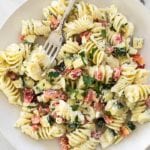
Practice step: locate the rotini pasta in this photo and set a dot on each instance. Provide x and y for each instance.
(13, 94)
(103, 73)
(96, 89)
(136, 93)
(78, 26)
(34, 27)
(79, 136)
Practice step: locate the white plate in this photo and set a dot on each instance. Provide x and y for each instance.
(10, 33)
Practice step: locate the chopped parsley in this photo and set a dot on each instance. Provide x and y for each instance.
(120, 105)
(131, 125)
(97, 87)
(61, 66)
(75, 107)
(76, 124)
(103, 33)
(53, 74)
(51, 120)
(120, 52)
(113, 132)
(100, 122)
(92, 53)
(82, 55)
(109, 85)
(88, 81)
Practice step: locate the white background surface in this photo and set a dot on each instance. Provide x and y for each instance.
(7, 7)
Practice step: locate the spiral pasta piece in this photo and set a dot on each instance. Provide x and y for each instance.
(51, 132)
(13, 55)
(44, 133)
(104, 72)
(65, 111)
(99, 41)
(36, 63)
(113, 37)
(138, 109)
(70, 47)
(107, 138)
(78, 26)
(79, 136)
(127, 78)
(3, 66)
(91, 144)
(141, 76)
(117, 122)
(97, 56)
(144, 117)
(28, 111)
(82, 9)
(89, 46)
(57, 8)
(135, 93)
(119, 21)
(34, 27)
(28, 130)
(13, 94)
(95, 12)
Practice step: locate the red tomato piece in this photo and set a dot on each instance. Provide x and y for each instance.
(54, 22)
(86, 34)
(96, 134)
(118, 39)
(98, 106)
(35, 127)
(139, 60)
(64, 143)
(28, 95)
(124, 131)
(148, 102)
(110, 50)
(35, 119)
(108, 119)
(51, 94)
(75, 74)
(22, 37)
(117, 73)
(104, 23)
(12, 75)
(91, 96)
(55, 94)
(98, 75)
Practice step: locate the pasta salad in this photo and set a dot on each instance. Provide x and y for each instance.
(96, 92)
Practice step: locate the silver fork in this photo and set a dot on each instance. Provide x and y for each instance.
(55, 40)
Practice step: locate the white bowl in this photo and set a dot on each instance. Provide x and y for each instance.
(9, 33)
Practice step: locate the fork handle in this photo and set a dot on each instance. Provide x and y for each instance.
(66, 14)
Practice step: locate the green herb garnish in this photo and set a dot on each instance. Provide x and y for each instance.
(51, 120)
(97, 87)
(88, 81)
(92, 53)
(100, 122)
(131, 125)
(75, 107)
(113, 132)
(120, 105)
(76, 124)
(103, 33)
(120, 52)
(109, 85)
(53, 74)
(82, 55)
